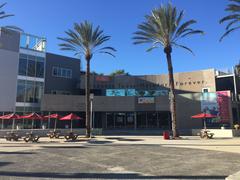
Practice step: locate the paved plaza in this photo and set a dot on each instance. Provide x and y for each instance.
(122, 157)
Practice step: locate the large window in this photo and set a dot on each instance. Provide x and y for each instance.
(61, 72)
(29, 91)
(31, 66)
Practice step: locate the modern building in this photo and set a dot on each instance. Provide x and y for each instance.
(33, 80)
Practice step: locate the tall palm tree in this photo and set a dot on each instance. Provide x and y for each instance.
(86, 40)
(232, 19)
(163, 28)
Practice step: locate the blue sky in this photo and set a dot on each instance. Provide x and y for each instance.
(119, 18)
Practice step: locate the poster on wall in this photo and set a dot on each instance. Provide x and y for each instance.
(224, 103)
(217, 104)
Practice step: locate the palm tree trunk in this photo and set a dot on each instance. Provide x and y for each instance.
(172, 95)
(87, 98)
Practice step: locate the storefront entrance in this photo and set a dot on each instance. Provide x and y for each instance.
(138, 120)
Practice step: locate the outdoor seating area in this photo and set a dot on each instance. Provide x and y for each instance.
(34, 137)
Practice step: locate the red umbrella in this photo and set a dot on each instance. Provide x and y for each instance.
(203, 116)
(32, 116)
(70, 117)
(10, 116)
(53, 116)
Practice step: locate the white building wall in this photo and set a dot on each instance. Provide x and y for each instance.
(8, 79)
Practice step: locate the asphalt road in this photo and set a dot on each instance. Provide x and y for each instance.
(103, 160)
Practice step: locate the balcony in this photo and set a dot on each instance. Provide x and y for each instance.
(32, 42)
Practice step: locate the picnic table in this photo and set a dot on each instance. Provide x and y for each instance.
(31, 137)
(11, 136)
(71, 136)
(205, 134)
(53, 134)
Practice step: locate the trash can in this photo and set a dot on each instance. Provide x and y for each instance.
(166, 135)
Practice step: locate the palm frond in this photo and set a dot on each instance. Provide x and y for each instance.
(228, 32)
(229, 17)
(232, 18)
(184, 47)
(192, 33)
(106, 52)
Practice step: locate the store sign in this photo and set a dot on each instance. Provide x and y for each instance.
(146, 100)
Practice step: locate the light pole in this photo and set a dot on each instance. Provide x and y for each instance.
(91, 112)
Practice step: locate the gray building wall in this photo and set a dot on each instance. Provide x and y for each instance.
(187, 105)
(58, 83)
(9, 58)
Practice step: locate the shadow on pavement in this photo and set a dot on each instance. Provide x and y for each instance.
(5, 163)
(63, 147)
(17, 152)
(99, 142)
(101, 175)
(123, 139)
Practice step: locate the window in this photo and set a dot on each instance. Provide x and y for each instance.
(31, 66)
(61, 72)
(40, 69)
(205, 90)
(20, 91)
(22, 69)
(60, 92)
(29, 91)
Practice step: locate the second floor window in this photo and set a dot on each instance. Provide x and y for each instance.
(61, 72)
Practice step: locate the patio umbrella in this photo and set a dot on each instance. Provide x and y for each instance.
(32, 116)
(54, 116)
(70, 117)
(12, 116)
(203, 116)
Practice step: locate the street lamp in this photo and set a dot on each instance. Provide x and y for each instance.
(91, 112)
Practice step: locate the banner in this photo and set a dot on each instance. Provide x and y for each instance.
(217, 104)
(223, 99)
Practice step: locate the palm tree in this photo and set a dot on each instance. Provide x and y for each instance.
(163, 28)
(232, 19)
(87, 41)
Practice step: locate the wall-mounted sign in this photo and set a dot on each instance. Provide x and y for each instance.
(146, 100)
